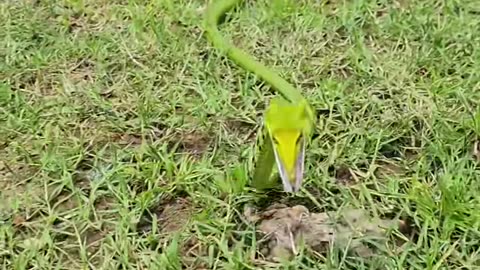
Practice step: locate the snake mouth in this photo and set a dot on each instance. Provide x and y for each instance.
(292, 179)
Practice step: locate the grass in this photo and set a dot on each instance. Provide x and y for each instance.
(125, 139)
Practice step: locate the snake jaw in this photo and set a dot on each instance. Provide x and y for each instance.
(292, 178)
(300, 166)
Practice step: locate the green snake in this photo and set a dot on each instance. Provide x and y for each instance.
(288, 121)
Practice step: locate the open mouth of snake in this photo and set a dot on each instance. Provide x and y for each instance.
(292, 180)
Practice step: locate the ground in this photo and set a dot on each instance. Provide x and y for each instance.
(125, 139)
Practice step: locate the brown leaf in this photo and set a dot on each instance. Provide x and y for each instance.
(18, 221)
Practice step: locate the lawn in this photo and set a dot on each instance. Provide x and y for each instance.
(126, 140)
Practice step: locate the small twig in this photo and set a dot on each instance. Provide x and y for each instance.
(132, 58)
(10, 170)
(476, 150)
(292, 241)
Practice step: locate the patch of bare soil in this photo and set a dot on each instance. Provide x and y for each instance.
(388, 168)
(193, 249)
(14, 184)
(13, 172)
(345, 175)
(175, 216)
(94, 235)
(243, 129)
(285, 228)
(171, 216)
(194, 143)
(125, 139)
(81, 72)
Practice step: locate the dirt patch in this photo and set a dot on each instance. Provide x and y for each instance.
(175, 216)
(65, 202)
(389, 168)
(242, 128)
(192, 249)
(15, 186)
(344, 175)
(92, 18)
(93, 236)
(100, 138)
(13, 172)
(81, 72)
(194, 143)
(171, 216)
(285, 228)
(126, 139)
(93, 239)
(38, 84)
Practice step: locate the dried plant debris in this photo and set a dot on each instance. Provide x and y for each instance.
(285, 228)
(476, 150)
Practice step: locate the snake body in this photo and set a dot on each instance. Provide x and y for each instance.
(289, 116)
(215, 11)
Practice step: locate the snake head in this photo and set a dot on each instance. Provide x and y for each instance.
(289, 125)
